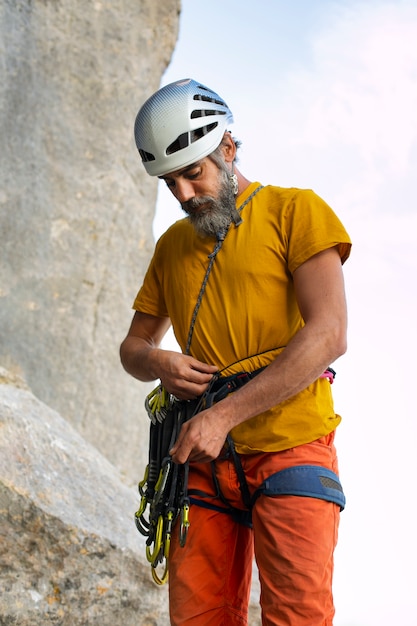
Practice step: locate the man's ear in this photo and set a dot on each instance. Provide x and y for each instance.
(228, 147)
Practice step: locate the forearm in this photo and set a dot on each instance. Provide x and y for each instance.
(140, 359)
(302, 362)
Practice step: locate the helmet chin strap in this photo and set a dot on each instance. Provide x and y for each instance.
(236, 219)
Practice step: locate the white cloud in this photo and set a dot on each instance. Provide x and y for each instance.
(364, 85)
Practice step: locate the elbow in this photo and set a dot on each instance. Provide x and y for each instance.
(137, 360)
(338, 344)
(124, 356)
(129, 357)
(341, 348)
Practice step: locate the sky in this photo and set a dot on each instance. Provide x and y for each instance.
(324, 96)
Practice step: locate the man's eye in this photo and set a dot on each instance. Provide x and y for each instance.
(193, 175)
(170, 183)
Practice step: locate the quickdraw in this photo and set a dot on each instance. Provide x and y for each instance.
(163, 489)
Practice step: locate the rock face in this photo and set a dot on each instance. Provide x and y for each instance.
(76, 206)
(69, 551)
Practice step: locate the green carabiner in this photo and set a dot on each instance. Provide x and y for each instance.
(161, 484)
(160, 580)
(168, 532)
(142, 507)
(152, 556)
(185, 524)
(143, 482)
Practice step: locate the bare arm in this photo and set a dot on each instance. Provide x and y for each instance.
(320, 293)
(141, 356)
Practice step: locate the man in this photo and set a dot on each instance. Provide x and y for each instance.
(251, 281)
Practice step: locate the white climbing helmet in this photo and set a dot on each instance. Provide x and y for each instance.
(180, 124)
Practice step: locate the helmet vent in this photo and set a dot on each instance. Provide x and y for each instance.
(198, 96)
(146, 156)
(198, 133)
(180, 143)
(205, 112)
(185, 139)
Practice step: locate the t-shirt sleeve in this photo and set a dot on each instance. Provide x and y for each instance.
(150, 296)
(311, 227)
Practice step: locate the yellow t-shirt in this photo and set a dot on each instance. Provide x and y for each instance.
(248, 312)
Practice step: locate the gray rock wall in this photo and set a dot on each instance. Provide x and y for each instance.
(76, 206)
(69, 550)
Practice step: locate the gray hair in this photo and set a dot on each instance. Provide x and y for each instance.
(216, 155)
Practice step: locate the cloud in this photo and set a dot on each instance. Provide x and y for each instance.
(347, 122)
(368, 68)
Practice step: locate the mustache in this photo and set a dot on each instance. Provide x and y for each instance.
(195, 203)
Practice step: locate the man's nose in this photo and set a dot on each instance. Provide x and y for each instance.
(184, 190)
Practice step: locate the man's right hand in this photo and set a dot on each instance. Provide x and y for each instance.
(183, 376)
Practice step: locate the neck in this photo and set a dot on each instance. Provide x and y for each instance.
(243, 182)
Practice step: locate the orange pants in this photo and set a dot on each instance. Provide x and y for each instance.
(293, 539)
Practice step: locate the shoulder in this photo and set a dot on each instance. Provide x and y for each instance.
(178, 231)
(292, 195)
(177, 228)
(181, 241)
(306, 223)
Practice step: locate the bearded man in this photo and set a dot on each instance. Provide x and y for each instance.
(251, 282)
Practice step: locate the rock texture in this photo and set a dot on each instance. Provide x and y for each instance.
(69, 551)
(76, 207)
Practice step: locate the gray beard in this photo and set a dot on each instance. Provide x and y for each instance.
(217, 213)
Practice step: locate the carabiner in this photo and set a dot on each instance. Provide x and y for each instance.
(185, 523)
(161, 484)
(157, 404)
(142, 524)
(168, 532)
(143, 482)
(142, 507)
(160, 580)
(153, 555)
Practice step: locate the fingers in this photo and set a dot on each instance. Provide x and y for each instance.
(184, 390)
(198, 372)
(182, 454)
(198, 441)
(203, 368)
(186, 377)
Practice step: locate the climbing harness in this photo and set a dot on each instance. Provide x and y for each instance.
(165, 497)
(164, 487)
(312, 481)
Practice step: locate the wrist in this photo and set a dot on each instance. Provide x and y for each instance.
(151, 363)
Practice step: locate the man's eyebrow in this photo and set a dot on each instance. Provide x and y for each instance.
(181, 171)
